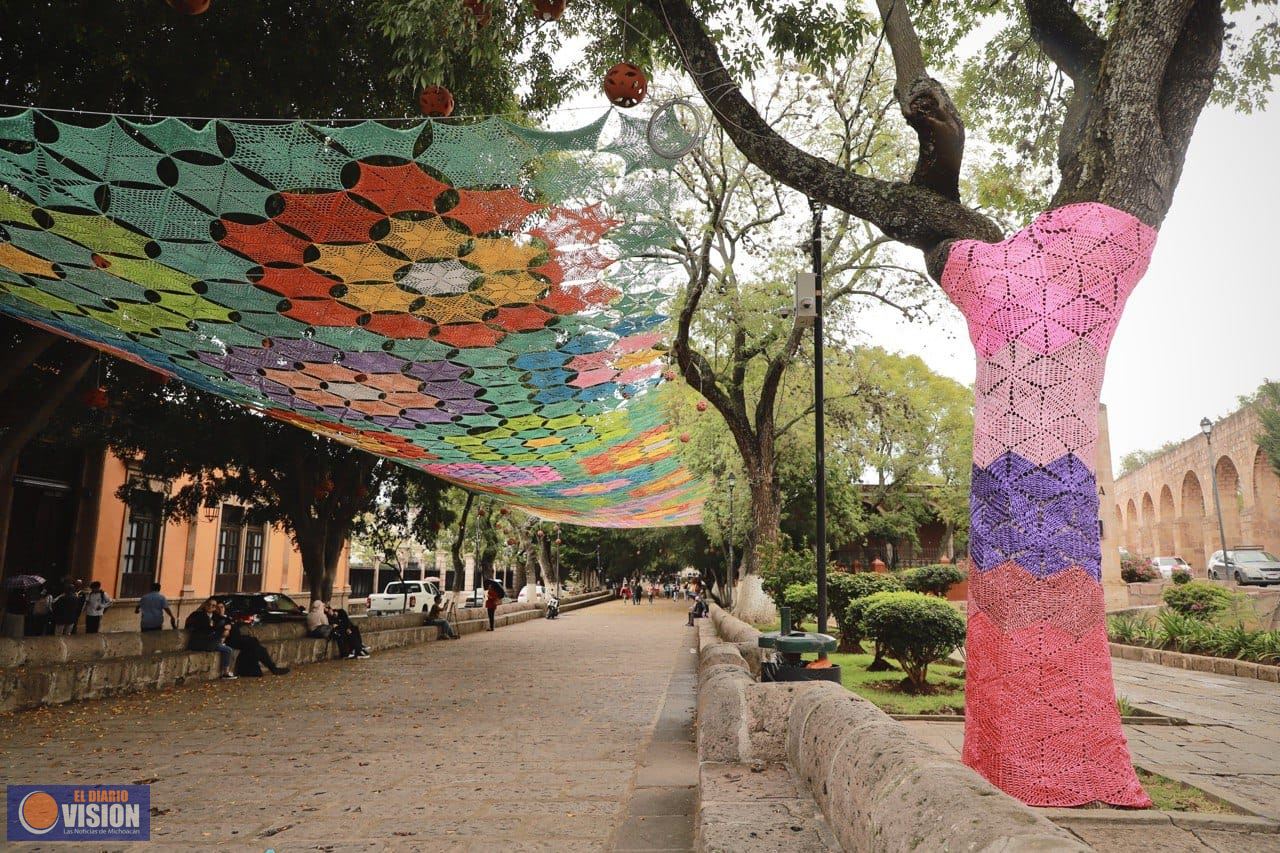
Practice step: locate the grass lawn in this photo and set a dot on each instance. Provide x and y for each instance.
(880, 687)
(1173, 796)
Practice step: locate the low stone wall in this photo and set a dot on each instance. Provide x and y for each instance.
(878, 789)
(52, 670)
(1199, 663)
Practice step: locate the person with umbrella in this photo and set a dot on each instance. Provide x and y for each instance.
(17, 602)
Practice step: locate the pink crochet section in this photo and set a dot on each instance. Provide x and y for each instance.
(1040, 713)
(1065, 276)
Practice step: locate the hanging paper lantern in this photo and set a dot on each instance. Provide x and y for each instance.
(189, 7)
(684, 437)
(481, 10)
(96, 398)
(549, 10)
(502, 511)
(558, 541)
(511, 541)
(669, 375)
(625, 85)
(540, 534)
(436, 102)
(702, 405)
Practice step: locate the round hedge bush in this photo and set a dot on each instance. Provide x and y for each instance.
(802, 598)
(914, 629)
(1198, 598)
(1181, 576)
(932, 580)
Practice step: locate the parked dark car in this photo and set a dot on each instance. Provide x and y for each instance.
(262, 607)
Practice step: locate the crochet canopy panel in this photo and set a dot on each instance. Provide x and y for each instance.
(1041, 720)
(477, 300)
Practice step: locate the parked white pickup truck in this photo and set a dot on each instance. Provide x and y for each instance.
(398, 597)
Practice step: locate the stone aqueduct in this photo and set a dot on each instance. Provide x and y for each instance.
(1165, 508)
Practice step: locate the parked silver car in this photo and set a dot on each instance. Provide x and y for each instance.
(1246, 565)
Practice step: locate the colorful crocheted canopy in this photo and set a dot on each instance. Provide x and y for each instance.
(475, 300)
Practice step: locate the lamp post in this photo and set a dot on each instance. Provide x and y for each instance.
(733, 481)
(1206, 427)
(819, 438)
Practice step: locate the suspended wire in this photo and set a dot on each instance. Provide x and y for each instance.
(276, 120)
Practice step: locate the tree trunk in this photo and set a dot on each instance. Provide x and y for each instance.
(455, 549)
(1042, 307)
(751, 603)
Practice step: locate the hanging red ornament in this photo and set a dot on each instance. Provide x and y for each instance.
(96, 398)
(511, 541)
(702, 405)
(189, 7)
(549, 10)
(558, 541)
(669, 375)
(625, 85)
(684, 437)
(481, 10)
(540, 534)
(502, 510)
(436, 102)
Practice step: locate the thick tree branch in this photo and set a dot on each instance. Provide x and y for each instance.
(910, 214)
(1066, 38)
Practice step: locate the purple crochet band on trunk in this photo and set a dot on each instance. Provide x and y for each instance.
(1044, 518)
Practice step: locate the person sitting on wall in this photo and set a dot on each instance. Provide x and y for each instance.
(209, 634)
(346, 634)
(252, 654)
(698, 610)
(318, 625)
(437, 617)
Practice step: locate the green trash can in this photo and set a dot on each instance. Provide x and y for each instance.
(791, 646)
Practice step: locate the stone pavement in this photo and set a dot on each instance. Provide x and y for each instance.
(1231, 749)
(540, 736)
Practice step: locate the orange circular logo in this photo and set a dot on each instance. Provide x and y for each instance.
(38, 812)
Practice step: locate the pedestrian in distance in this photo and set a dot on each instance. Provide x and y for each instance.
(153, 606)
(652, 589)
(66, 612)
(637, 593)
(41, 621)
(491, 599)
(16, 602)
(95, 604)
(626, 592)
(208, 633)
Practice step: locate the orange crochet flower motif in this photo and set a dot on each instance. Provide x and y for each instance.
(405, 255)
(374, 441)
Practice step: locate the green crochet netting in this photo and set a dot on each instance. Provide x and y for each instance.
(477, 300)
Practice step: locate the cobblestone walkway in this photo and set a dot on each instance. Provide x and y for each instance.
(528, 738)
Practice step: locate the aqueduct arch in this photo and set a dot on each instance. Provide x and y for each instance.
(1146, 534)
(1166, 538)
(1131, 527)
(1192, 521)
(1265, 521)
(1230, 495)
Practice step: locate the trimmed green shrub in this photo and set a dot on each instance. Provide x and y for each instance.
(1181, 576)
(782, 568)
(932, 580)
(1134, 569)
(915, 630)
(842, 588)
(1202, 600)
(802, 598)
(859, 587)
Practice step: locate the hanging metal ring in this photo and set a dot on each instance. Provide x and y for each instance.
(668, 109)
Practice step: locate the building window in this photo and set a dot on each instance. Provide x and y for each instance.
(141, 543)
(254, 540)
(230, 540)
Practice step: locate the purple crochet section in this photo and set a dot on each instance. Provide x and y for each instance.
(1042, 517)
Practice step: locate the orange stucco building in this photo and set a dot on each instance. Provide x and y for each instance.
(61, 517)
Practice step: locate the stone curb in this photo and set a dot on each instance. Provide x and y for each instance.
(1198, 663)
(1186, 820)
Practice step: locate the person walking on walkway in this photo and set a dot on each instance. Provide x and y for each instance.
(209, 634)
(652, 589)
(66, 611)
(95, 604)
(491, 599)
(41, 621)
(153, 606)
(637, 592)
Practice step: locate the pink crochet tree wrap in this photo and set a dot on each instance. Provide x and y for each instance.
(1041, 720)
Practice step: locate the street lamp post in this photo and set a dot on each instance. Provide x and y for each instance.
(819, 438)
(733, 481)
(1206, 427)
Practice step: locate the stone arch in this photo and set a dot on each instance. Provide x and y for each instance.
(1131, 527)
(1192, 522)
(1119, 528)
(1146, 537)
(1232, 498)
(1266, 503)
(1166, 539)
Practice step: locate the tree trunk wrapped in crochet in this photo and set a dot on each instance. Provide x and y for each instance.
(1041, 718)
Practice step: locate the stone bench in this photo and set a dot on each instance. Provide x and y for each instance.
(52, 670)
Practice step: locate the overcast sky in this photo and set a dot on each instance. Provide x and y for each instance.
(1201, 329)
